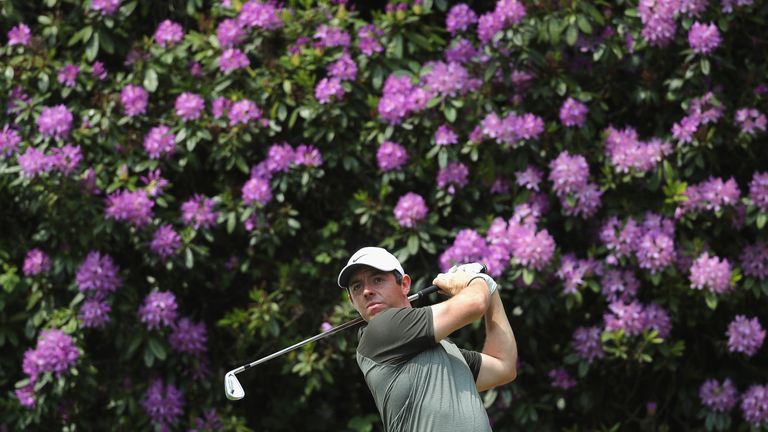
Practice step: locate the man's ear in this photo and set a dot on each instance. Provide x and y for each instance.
(406, 286)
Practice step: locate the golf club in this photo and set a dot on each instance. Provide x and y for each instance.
(232, 386)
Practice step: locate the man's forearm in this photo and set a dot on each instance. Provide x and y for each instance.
(499, 338)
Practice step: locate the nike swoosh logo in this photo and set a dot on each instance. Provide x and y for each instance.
(358, 258)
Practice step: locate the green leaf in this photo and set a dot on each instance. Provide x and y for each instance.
(705, 66)
(149, 358)
(571, 35)
(450, 114)
(413, 244)
(528, 276)
(92, 50)
(762, 218)
(711, 300)
(150, 80)
(83, 35)
(157, 348)
(584, 24)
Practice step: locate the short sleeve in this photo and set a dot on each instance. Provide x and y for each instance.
(397, 334)
(474, 360)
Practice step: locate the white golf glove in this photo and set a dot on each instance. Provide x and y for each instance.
(479, 270)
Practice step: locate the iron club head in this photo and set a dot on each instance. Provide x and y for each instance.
(232, 387)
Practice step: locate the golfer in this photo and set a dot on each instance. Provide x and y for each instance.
(419, 380)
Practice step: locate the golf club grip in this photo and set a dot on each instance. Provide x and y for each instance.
(425, 292)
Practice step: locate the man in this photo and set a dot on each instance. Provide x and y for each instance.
(418, 379)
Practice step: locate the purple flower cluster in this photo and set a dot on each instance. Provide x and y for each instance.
(692, 8)
(220, 106)
(19, 35)
(572, 272)
(711, 272)
(712, 195)
(55, 121)
(209, 422)
(634, 318)
(328, 89)
(391, 156)
(134, 99)
(750, 120)
(134, 207)
(703, 38)
(718, 397)
(9, 140)
(410, 210)
(168, 33)
(280, 158)
(229, 33)
(530, 248)
(754, 260)
(198, 212)
(159, 309)
(586, 343)
(617, 284)
(745, 335)
(454, 175)
(154, 183)
(94, 313)
(459, 18)
(98, 70)
(242, 112)
(261, 15)
(163, 403)
(160, 141)
(36, 262)
(754, 405)
(448, 79)
(758, 190)
(344, 68)
(368, 39)
(105, 7)
(63, 159)
(530, 178)
(658, 18)
(512, 128)
(727, 5)
(233, 59)
(652, 242)
(55, 352)
(98, 275)
(560, 378)
(188, 337)
(329, 36)
(461, 51)
(655, 245)
(627, 152)
(257, 190)
(505, 13)
(166, 242)
(68, 75)
(516, 238)
(189, 106)
(704, 110)
(400, 98)
(573, 113)
(445, 136)
(570, 181)
(468, 246)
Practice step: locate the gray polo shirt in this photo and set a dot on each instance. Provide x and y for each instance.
(417, 383)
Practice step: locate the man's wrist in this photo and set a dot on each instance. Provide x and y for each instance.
(489, 282)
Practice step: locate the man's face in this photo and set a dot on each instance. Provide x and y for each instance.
(372, 291)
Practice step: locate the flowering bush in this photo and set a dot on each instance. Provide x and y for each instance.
(180, 186)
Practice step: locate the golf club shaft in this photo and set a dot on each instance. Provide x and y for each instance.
(354, 322)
